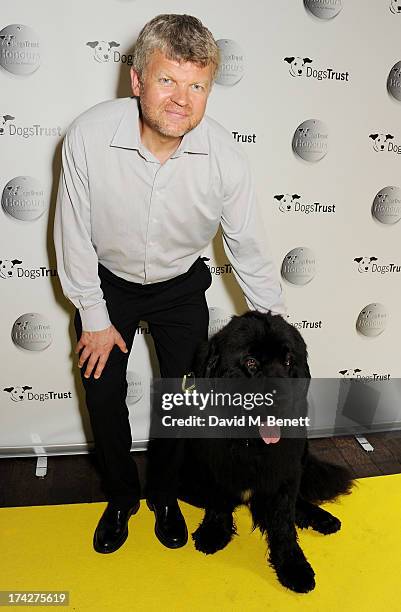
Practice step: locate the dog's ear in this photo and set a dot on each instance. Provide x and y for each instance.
(300, 369)
(206, 359)
(8, 389)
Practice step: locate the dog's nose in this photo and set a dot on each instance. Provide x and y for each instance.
(9, 273)
(382, 147)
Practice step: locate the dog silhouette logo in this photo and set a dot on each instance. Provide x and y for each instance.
(17, 394)
(7, 267)
(365, 263)
(102, 50)
(297, 65)
(287, 201)
(3, 121)
(352, 373)
(379, 141)
(395, 7)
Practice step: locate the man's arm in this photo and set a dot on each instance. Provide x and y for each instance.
(244, 242)
(77, 262)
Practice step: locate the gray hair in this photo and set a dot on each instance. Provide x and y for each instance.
(179, 38)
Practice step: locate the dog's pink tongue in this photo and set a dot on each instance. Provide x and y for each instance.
(270, 434)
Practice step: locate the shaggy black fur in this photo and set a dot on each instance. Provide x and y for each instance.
(283, 481)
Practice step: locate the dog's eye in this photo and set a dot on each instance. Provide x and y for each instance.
(287, 361)
(251, 363)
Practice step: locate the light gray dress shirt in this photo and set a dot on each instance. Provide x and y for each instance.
(148, 222)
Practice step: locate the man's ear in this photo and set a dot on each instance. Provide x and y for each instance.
(135, 82)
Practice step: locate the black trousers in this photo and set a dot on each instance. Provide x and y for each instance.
(178, 318)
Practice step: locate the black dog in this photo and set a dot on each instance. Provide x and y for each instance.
(280, 482)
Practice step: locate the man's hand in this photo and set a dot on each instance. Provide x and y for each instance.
(97, 346)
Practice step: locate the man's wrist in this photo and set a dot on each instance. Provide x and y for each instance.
(95, 318)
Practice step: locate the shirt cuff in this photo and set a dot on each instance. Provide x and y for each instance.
(95, 318)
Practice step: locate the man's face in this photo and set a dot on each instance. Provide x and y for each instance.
(172, 95)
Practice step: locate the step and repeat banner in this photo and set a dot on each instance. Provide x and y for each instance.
(311, 90)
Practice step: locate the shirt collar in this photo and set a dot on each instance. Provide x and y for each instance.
(127, 135)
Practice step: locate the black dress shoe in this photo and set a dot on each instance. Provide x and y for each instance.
(112, 530)
(170, 527)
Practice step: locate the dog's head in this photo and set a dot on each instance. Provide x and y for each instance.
(254, 345)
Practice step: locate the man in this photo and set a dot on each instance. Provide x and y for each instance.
(145, 183)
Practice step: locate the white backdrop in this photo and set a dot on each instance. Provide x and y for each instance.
(337, 254)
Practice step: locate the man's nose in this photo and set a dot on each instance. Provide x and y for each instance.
(180, 95)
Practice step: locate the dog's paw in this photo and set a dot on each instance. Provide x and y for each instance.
(320, 520)
(296, 574)
(326, 524)
(211, 537)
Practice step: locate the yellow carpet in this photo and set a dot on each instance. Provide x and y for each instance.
(50, 548)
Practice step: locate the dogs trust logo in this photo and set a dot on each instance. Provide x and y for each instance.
(104, 51)
(32, 332)
(7, 127)
(357, 373)
(10, 268)
(384, 142)
(24, 199)
(19, 394)
(19, 49)
(298, 67)
(291, 203)
(368, 264)
(218, 270)
(231, 67)
(310, 140)
(304, 323)
(372, 320)
(299, 266)
(395, 7)
(386, 206)
(3, 122)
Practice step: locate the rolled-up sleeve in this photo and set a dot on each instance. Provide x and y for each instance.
(77, 261)
(244, 242)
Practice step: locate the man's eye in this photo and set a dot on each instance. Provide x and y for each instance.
(165, 80)
(197, 87)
